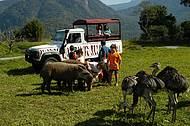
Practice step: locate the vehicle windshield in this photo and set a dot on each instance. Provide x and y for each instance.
(59, 36)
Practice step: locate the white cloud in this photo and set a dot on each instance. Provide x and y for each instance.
(110, 2)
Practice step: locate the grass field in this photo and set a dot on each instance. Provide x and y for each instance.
(17, 49)
(21, 101)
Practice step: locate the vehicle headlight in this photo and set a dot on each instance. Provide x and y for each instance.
(36, 54)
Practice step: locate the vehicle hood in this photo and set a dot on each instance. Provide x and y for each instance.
(41, 47)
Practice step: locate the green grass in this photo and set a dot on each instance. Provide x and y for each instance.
(21, 101)
(18, 48)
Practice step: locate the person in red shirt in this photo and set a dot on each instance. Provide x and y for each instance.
(114, 61)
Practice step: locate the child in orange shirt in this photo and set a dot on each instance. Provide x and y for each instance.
(114, 60)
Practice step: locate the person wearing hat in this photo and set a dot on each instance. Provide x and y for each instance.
(114, 61)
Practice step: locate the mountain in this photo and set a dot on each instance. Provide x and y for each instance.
(180, 11)
(58, 14)
(55, 14)
(6, 4)
(122, 6)
(132, 14)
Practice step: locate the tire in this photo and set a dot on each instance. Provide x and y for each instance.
(50, 59)
(38, 66)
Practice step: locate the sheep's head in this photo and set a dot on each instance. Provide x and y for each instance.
(128, 84)
(86, 75)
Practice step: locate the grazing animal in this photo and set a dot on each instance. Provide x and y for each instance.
(174, 83)
(60, 71)
(141, 85)
(145, 87)
(127, 87)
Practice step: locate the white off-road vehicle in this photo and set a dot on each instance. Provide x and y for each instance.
(83, 35)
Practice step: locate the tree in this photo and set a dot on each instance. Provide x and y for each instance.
(10, 39)
(155, 22)
(185, 29)
(158, 31)
(185, 2)
(33, 30)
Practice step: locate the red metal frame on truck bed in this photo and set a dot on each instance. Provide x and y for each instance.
(99, 21)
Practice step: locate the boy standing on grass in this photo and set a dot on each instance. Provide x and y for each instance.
(114, 61)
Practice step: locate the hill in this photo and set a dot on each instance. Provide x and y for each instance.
(180, 11)
(58, 14)
(132, 14)
(55, 14)
(6, 4)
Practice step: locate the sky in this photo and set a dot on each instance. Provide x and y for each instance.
(110, 2)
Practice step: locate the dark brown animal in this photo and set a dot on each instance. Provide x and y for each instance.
(60, 71)
(175, 83)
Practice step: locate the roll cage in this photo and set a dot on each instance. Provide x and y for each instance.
(90, 28)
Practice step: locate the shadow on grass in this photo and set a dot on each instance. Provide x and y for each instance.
(40, 93)
(55, 90)
(182, 104)
(112, 118)
(99, 84)
(22, 71)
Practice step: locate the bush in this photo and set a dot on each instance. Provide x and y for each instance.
(185, 29)
(33, 31)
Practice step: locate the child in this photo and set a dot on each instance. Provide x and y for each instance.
(99, 29)
(81, 59)
(114, 60)
(107, 31)
(72, 54)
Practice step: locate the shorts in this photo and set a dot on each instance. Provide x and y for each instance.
(115, 71)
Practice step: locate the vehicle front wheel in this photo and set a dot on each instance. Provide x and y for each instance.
(50, 59)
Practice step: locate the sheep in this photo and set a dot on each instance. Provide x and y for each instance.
(174, 83)
(60, 71)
